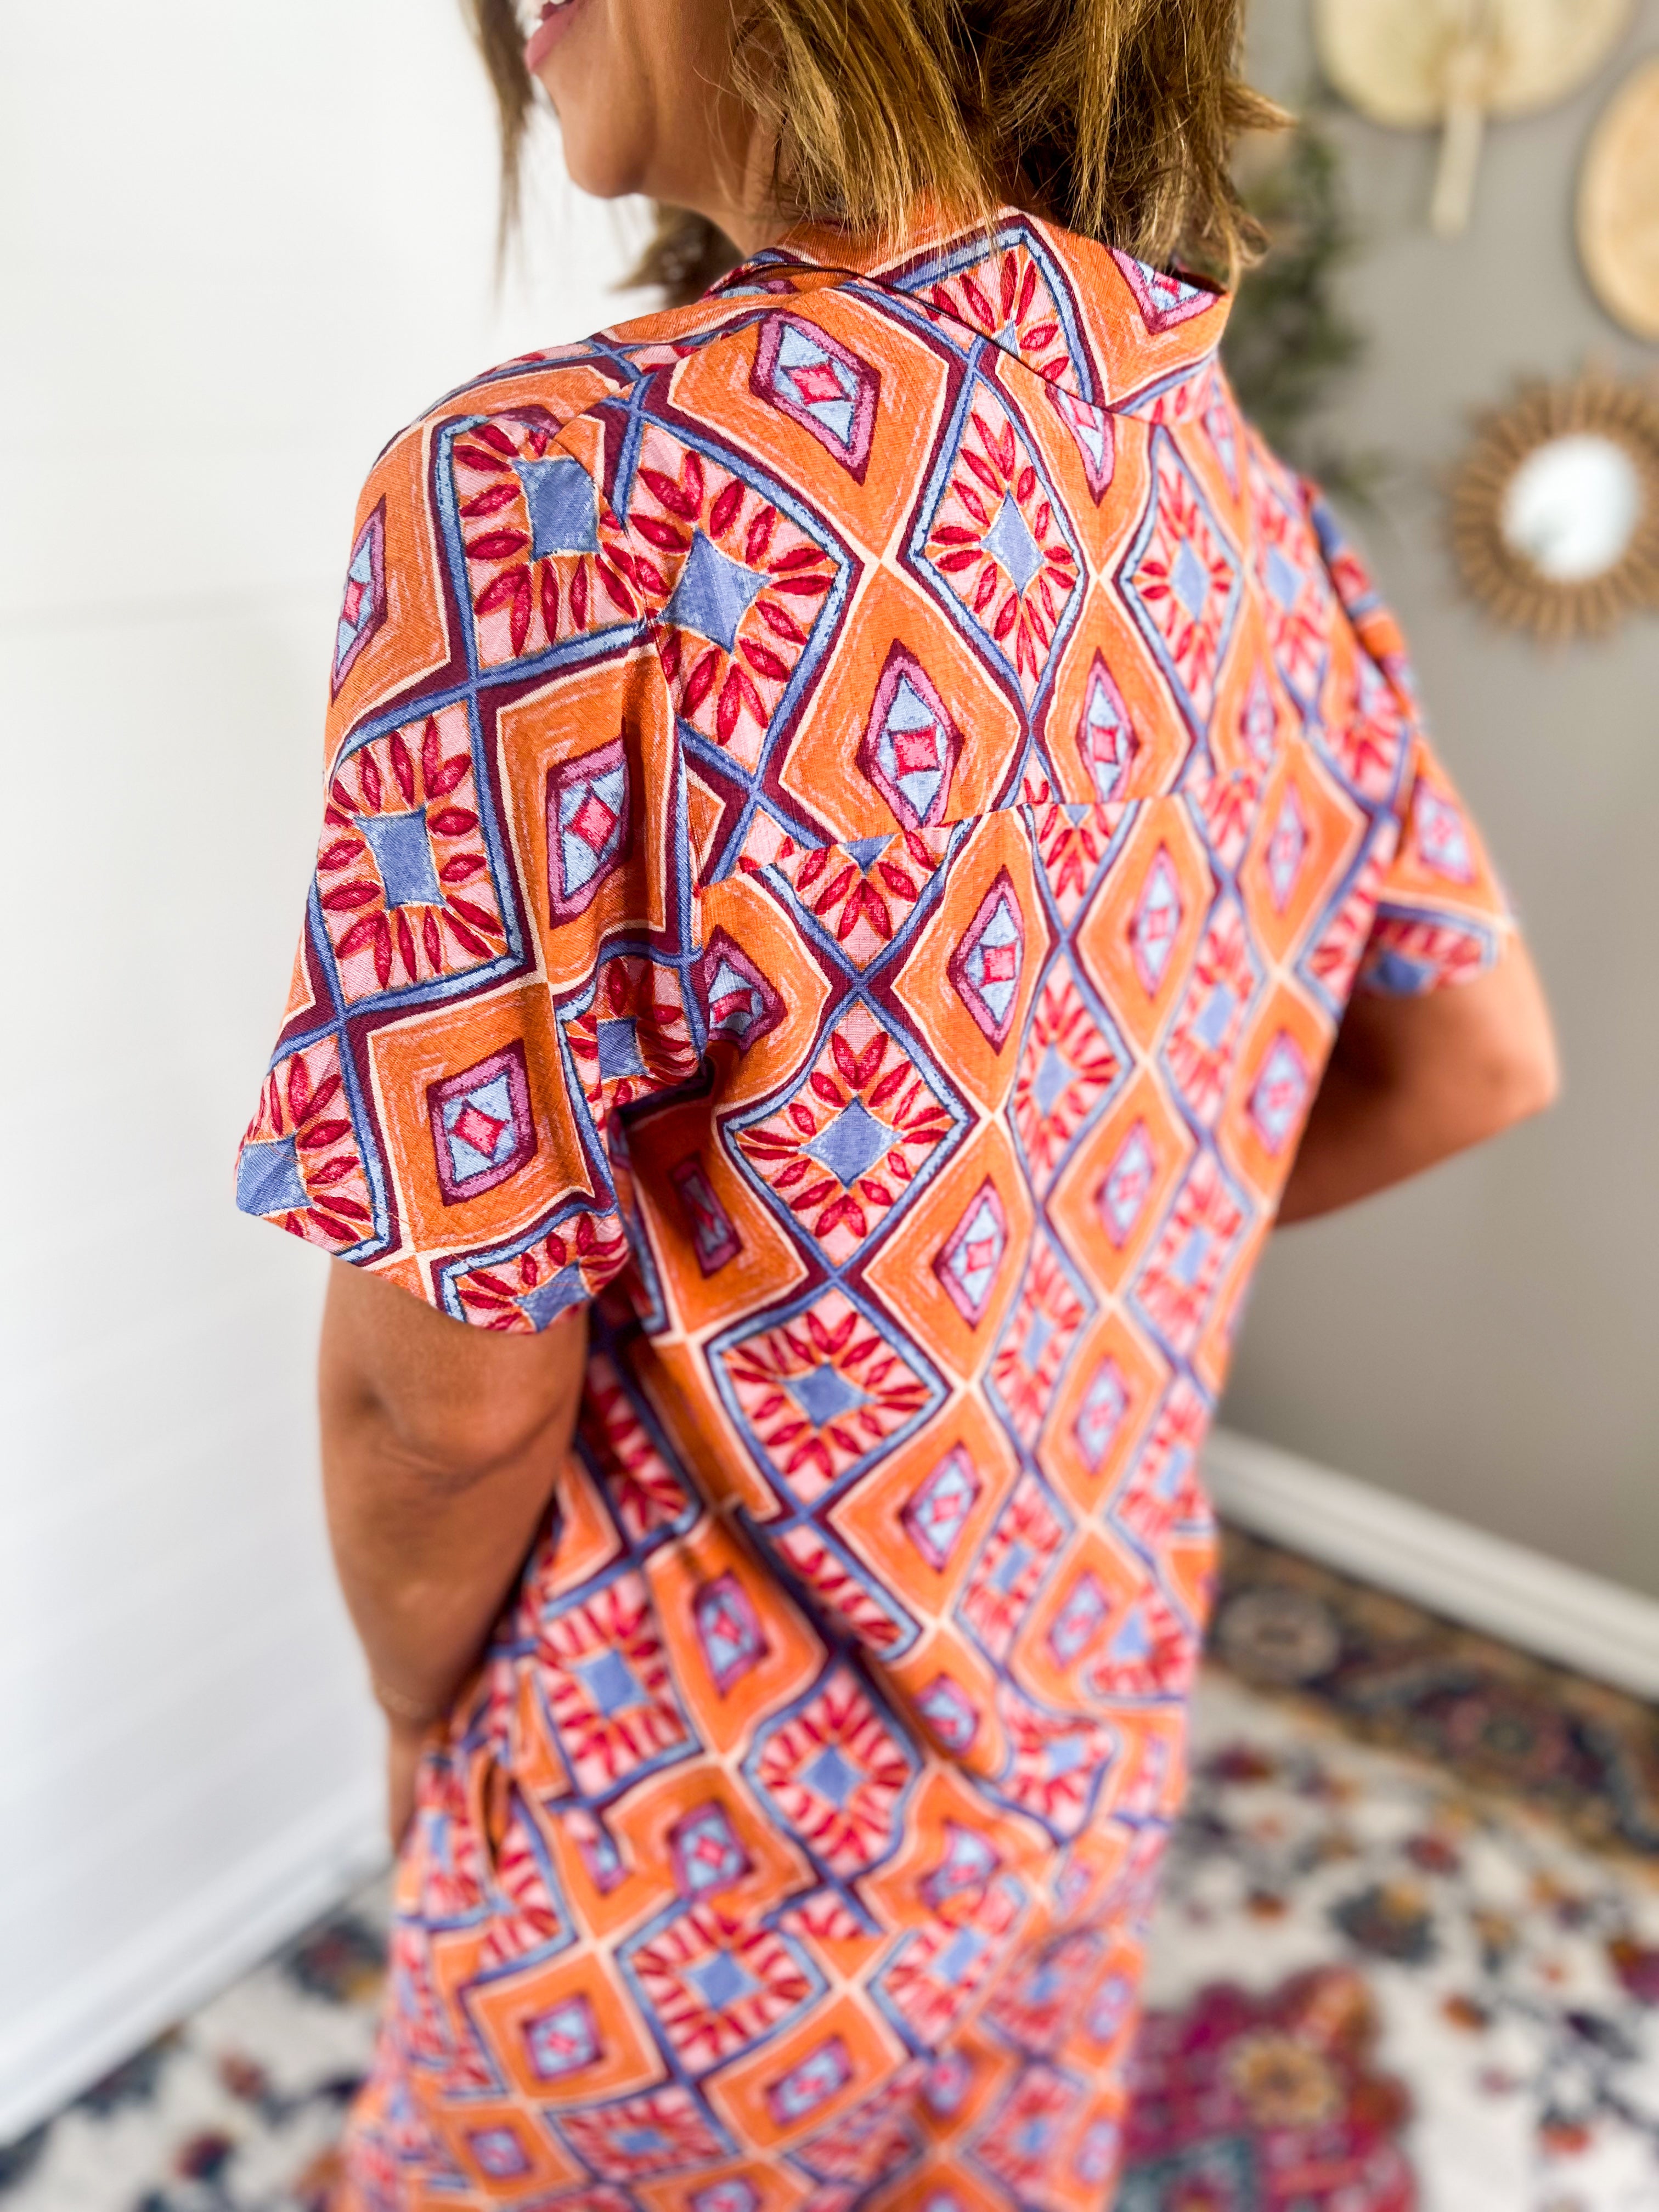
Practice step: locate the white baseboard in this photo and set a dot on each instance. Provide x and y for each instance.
(60, 2048)
(1560, 1613)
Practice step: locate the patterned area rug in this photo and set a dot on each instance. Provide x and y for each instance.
(1407, 1957)
(1393, 1675)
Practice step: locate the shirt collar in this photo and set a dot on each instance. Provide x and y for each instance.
(1089, 320)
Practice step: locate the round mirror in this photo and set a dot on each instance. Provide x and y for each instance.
(1573, 507)
(1554, 511)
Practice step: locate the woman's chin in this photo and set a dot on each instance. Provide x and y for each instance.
(596, 170)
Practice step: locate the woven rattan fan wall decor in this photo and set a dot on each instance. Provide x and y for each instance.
(1619, 204)
(1554, 511)
(1419, 64)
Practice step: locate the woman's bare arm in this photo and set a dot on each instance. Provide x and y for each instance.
(1412, 1080)
(441, 1445)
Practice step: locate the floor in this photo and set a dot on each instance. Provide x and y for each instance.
(1407, 1957)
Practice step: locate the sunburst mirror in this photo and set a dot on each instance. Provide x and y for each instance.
(1554, 510)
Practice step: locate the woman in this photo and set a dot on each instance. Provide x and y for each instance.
(875, 840)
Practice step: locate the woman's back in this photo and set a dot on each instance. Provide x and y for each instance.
(855, 808)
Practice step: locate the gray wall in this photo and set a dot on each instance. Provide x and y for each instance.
(1483, 1339)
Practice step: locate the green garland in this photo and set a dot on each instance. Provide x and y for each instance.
(1289, 342)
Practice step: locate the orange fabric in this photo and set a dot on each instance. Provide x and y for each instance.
(854, 811)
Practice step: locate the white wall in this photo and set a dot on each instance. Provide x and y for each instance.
(239, 247)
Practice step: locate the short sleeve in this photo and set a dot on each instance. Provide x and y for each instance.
(1441, 914)
(498, 952)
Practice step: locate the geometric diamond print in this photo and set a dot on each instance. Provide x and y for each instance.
(1177, 1285)
(1279, 1092)
(362, 609)
(816, 1395)
(1210, 1020)
(937, 1510)
(969, 1259)
(1035, 1344)
(849, 1142)
(1067, 1070)
(482, 1129)
(1012, 1568)
(854, 817)
(1105, 735)
(587, 827)
(1121, 1194)
(987, 963)
(836, 1772)
(609, 1687)
(715, 1987)
(1296, 599)
(997, 546)
(1180, 582)
(820, 384)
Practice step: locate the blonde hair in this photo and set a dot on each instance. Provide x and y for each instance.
(1114, 118)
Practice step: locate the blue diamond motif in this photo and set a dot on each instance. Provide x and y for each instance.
(1010, 539)
(577, 824)
(1210, 1027)
(1067, 1752)
(1189, 1263)
(563, 506)
(1191, 579)
(1010, 1566)
(499, 2152)
(938, 1512)
(1037, 1335)
(958, 1955)
(1110, 741)
(832, 1776)
(562, 2041)
(1132, 1640)
(361, 573)
(912, 750)
(551, 1298)
(976, 1254)
(267, 1178)
(722, 1981)
(1104, 1406)
(494, 1100)
(608, 1681)
(734, 1005)
(706, 1854)
(1054, 1073)
(797, 352)
(402, 853)
(1284, 578)
(850, 1145)
(1002, 931)
(619, 1048)
(714, 594)
(824, 1395)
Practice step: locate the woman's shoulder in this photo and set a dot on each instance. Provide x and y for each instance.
(570, 379)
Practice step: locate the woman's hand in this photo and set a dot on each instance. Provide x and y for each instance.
(404, 1745)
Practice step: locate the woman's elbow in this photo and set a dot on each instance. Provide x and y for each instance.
(1519, 1071)
(1535, 1080)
